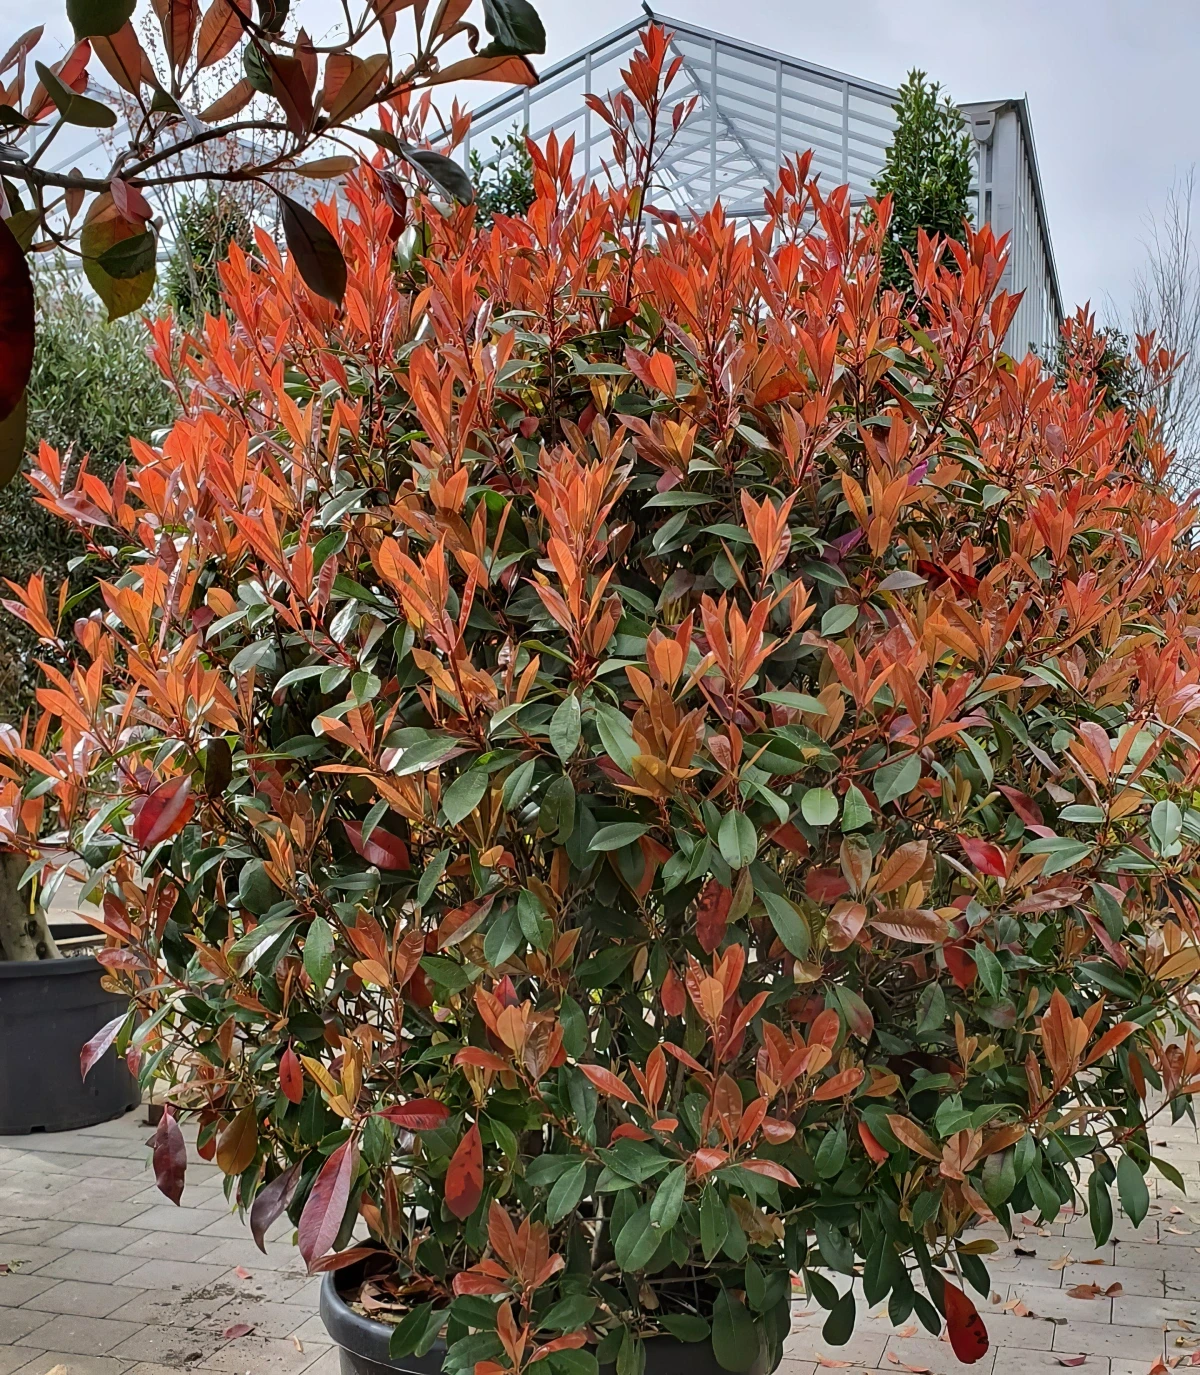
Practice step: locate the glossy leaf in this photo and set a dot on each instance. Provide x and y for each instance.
(169, 1156)
(314, 250)
(464, 1179)
(321, 1220)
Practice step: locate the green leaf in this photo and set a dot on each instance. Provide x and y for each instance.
(855, 812)
(515, 27)
(75, 109)
(667, 1202)
(517, 785)
(313, 248)
(564, 727)
(616, 735)
(637, 1241)
(897, 778)
(831, 1154)
(618, 835)
(416, 1332)
(256, 892)
(557, 815)
(444, 172)
(569, 1314)
(835, 1250)
(737, 839)
(129, 257)
(790, 926)
(1100, 1208)
(503, 937)
(98, 18)
(839, 1325)
(734, 1335)
(714, 1222)
(819, 807)
(991, 972)
(686, 1326)
(1131, 1187)
(565, 1195)
(1166, 826)
(318, 952)
(431, 876)
(463, 795)
(837, 619)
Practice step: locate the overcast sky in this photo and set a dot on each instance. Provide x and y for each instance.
(1111, 86)
(1112, 89)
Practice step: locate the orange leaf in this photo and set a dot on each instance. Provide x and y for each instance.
(464, 1179)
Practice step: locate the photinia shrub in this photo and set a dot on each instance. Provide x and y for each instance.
(623, 764)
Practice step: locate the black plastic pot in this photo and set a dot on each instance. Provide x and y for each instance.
(364, 1344)
(49, 1010)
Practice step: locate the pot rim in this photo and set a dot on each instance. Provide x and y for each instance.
(57, 967)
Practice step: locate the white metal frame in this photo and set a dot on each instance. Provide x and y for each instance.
(756, 107)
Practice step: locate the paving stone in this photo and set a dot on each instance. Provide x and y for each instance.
(330, 1364)
(171, 1274)
(279, 1286)
(174, 1347)
(865, 1347)
(72, 1362)
(94, 1236)
(26, 1232)
(16, 1323)
(112, 1211)
(1109, 1339)
(27, 1259)
(1058, 1303)
(1014, 1360)
(165, 1217)
(268, 1319)
(13, 1358)
(71, 1332)
(82, 1298)
(1031, 1333)
(1133, 1280)
(1139, 1311)
(16, 1289)
(263, 1356)
(169, 1308)
(249, 1257)
(936, 1355)
(93, 1266)
(170, 1246)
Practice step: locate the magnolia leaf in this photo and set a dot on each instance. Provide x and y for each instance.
(99, 18)
(314, 250)
(514, 26)
(75, 109)
(444, 172)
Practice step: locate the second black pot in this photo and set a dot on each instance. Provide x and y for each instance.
(49, 1010)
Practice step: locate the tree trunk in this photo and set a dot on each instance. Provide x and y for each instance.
(24, 933)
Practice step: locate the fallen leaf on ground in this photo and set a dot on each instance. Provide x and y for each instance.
(1178, 1232)
(58, 1370)
(1094, 1261)
(907, 1331)
(298, 1344)
(1062, 1262)
(915, 1369)
(831, 1364)
(238, 1329)
(1159, 1367)
(1024, 1251)
(1070, 1360)
(997, 1298)
(1186, 1341)
(1094, 1291)
(242, 1273)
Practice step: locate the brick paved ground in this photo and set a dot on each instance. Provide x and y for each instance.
(105, 1277)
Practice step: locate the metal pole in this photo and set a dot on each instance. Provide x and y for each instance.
(712, 111)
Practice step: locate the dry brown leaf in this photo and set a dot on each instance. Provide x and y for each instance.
(1085, 1291)
(1062, 1262)
(907, 1331)
(298, 1344)
(831, 1364)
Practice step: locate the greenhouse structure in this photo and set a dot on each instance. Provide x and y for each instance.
(756, 107)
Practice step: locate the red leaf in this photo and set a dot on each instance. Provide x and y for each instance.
(381, 848)
(481, 1059)
(339, 1260)
(986, 857)
(99, 1043)
(772, 1170)
(712, 915)
(968, 1336)
(170, 1157)
(1025, 807)
(871, 1145)
(464, 1178)
(417, 1115)
(607, 1082)
(16, 322)
(164, 812)
(237, 1329)
(960, 965)
(325, 1210)
(825, 885)
(291, 1076)
(674, 999)
(269, 1204)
